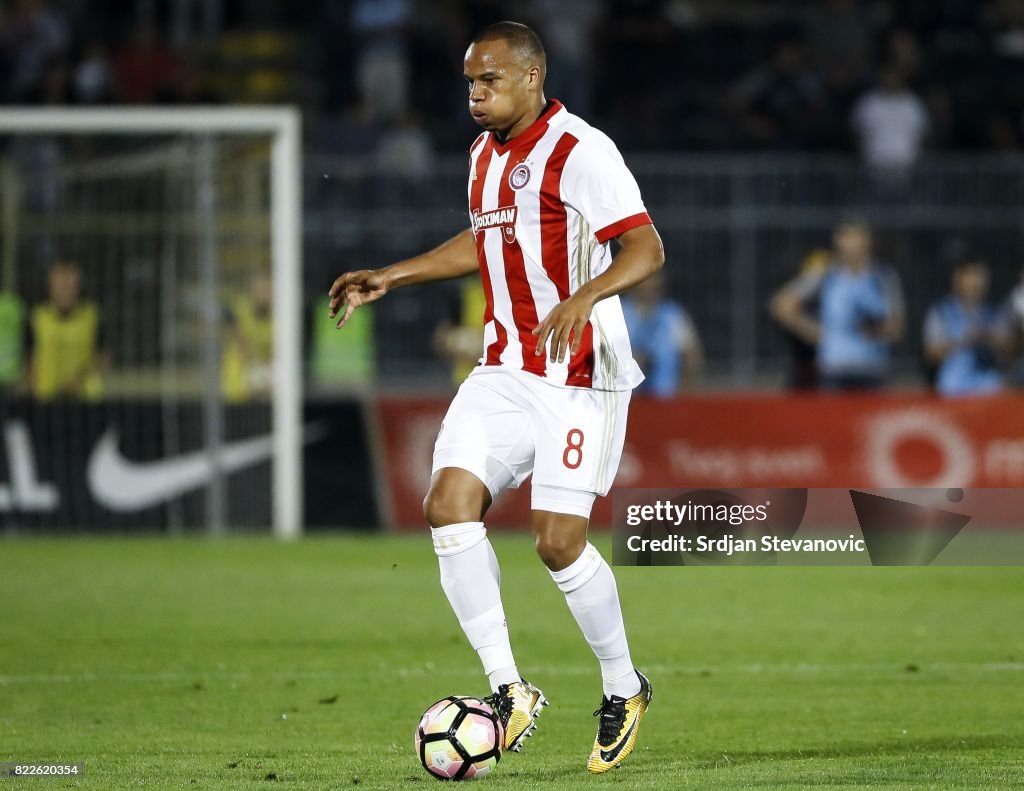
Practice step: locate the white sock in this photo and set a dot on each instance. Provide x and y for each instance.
(593, 599)
(470, 578)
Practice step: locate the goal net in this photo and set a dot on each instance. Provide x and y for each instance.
(149, 320)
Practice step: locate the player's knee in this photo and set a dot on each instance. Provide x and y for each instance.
(557, 549)
(436, 510)
(442, 507)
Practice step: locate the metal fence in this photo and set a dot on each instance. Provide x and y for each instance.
(735, 228)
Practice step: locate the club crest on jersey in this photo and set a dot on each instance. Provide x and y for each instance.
(503, 217)
(519, 177)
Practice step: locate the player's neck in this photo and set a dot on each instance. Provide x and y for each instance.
(537, 109)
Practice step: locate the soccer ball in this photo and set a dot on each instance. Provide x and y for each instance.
(459, 738)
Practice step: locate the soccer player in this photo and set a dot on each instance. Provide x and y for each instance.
(548, 194)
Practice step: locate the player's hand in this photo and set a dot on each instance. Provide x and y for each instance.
(353, 289)
(563, 324)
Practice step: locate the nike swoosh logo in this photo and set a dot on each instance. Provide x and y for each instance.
(609, 755)
(120, 484)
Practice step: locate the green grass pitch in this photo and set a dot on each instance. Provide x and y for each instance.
(246, 664)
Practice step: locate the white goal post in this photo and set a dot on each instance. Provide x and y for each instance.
(283, 126)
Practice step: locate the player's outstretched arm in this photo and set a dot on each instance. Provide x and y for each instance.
(454, 258)
(640, 256)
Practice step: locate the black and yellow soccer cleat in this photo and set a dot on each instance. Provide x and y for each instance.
(617, 727)
(517, 705)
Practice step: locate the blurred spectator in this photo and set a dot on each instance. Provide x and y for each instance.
(1007, 23)
(65, 340)
(146, 69)
(780, 103)
(404, 162)
(567, 28)
(903, 51)
(965, 337)
(664, 339)
(891, 123)
(461, 341)
(641, 35)
(803, 371)
(380, 28)
(963, 60)
(248, 357)
(342, 359)
(348, 133)
(93, 78)
(859, 314)
(997, 89)
(12, 341)
(1015, 320)
(32, 37)
(839, 34)
(1017, 302)
(55, 85)
(405, 151)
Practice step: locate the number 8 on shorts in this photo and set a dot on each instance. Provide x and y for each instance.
(573, 444)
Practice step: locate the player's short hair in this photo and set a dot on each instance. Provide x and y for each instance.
(520, 37)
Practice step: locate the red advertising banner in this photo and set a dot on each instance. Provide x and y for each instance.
(746, 441)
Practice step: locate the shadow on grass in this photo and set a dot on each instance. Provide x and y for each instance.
(526, 776)
(638, 770)
(890, 748)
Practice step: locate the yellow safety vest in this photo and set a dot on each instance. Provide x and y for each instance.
(474, 303)
(64, 352)
(240, 363)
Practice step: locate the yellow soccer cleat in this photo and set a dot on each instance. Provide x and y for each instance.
(517, 705)
(617, 727)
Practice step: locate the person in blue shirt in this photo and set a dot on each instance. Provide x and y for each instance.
(965, 337)
(858, 312)
(664, 339)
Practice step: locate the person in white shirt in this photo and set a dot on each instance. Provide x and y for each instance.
(891, 124)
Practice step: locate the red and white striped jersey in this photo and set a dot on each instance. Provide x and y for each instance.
(544, 208)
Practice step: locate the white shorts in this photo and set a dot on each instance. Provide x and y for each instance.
(504, 425)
